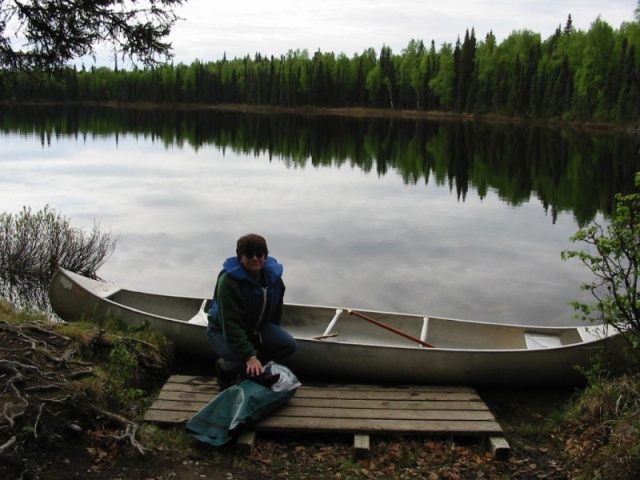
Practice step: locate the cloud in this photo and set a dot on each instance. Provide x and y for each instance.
(239, 28)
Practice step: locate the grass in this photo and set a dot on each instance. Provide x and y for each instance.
(173, 440)
(125, 363)
(9, 314)
(603, 429)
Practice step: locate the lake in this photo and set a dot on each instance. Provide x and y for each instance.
(463, 220)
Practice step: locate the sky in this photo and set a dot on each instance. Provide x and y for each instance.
(210, 30)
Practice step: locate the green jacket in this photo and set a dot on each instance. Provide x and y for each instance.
(241, 304)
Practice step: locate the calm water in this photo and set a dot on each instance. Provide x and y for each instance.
(464, 221)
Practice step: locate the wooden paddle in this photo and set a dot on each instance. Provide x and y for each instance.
(390, 328)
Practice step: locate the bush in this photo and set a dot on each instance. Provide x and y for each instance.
(613, 255)
(34, 245)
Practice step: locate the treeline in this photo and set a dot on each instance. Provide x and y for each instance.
(572, 75)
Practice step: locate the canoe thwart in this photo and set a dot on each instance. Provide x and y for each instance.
(425, 327)
(332, 323)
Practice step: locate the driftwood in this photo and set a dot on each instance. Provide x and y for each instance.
(130, 428)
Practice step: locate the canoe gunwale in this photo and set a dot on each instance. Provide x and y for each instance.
(331, 338)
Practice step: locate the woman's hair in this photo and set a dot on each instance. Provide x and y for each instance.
(250, 244)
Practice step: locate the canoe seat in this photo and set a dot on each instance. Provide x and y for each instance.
(537, 341)
(200, 318)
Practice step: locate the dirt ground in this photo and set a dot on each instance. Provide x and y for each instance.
(85, 455)
(54, 426)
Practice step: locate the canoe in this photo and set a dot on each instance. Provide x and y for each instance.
(336, 345)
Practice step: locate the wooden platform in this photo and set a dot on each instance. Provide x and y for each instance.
(361, 410)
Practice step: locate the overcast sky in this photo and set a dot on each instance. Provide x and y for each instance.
(239, 27)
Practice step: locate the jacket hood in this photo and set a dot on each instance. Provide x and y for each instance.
(272, 270)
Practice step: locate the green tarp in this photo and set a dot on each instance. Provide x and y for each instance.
(236, 406)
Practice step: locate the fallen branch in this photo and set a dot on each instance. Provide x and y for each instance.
(47, 331)
(130, 428)
(82, 374)
(8, 444)
(130, 434)
(35, 426)
(42, 388)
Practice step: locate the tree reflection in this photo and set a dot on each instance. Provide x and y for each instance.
(567, 170)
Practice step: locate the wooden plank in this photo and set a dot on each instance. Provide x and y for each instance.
(191, 388)
(348, 425)
(191, 407)
(192, 379)
(390, 388)
(179, 382)
(303, 400)
(209, 381)
(390, 414)
(370, 394)
(164, 417)
(415, 395)
(175, 401)
(383, 404)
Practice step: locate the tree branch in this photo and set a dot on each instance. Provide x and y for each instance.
(57, 32)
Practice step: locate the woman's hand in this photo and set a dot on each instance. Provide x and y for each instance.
(254, 367)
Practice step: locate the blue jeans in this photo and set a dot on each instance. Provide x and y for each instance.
(276, 344)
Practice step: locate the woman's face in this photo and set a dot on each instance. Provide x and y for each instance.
(253, 262)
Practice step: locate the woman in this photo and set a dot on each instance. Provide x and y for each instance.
(244, 319)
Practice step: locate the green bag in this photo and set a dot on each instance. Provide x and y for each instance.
(236, 406)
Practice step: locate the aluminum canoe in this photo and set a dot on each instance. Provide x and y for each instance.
(338, 346)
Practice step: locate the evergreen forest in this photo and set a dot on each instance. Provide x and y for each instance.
(573, 75)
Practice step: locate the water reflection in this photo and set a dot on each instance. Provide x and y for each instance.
(456, 219)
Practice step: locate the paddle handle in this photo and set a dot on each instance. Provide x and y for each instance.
(390, 328)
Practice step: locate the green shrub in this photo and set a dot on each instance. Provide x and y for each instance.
(34, 244)
(613, 255)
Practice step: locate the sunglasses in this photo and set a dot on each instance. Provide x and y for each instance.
(252, 254)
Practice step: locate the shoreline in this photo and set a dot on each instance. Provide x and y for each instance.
(361, 112)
